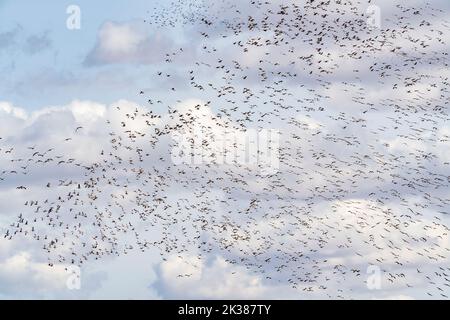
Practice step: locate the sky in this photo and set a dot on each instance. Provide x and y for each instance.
(45, 64)
(55, 79)
(42, 57)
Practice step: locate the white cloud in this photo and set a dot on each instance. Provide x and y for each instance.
(188, 277)
(360, 219)
(20, 275)
(128, 43)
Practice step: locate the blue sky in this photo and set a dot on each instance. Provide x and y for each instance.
(56, 72)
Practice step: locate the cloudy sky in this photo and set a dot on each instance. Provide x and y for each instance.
(56, 79)
(62, 77)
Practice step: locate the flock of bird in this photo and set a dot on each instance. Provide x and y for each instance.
(364, 172)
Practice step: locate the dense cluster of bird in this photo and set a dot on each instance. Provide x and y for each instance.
(363, 174)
